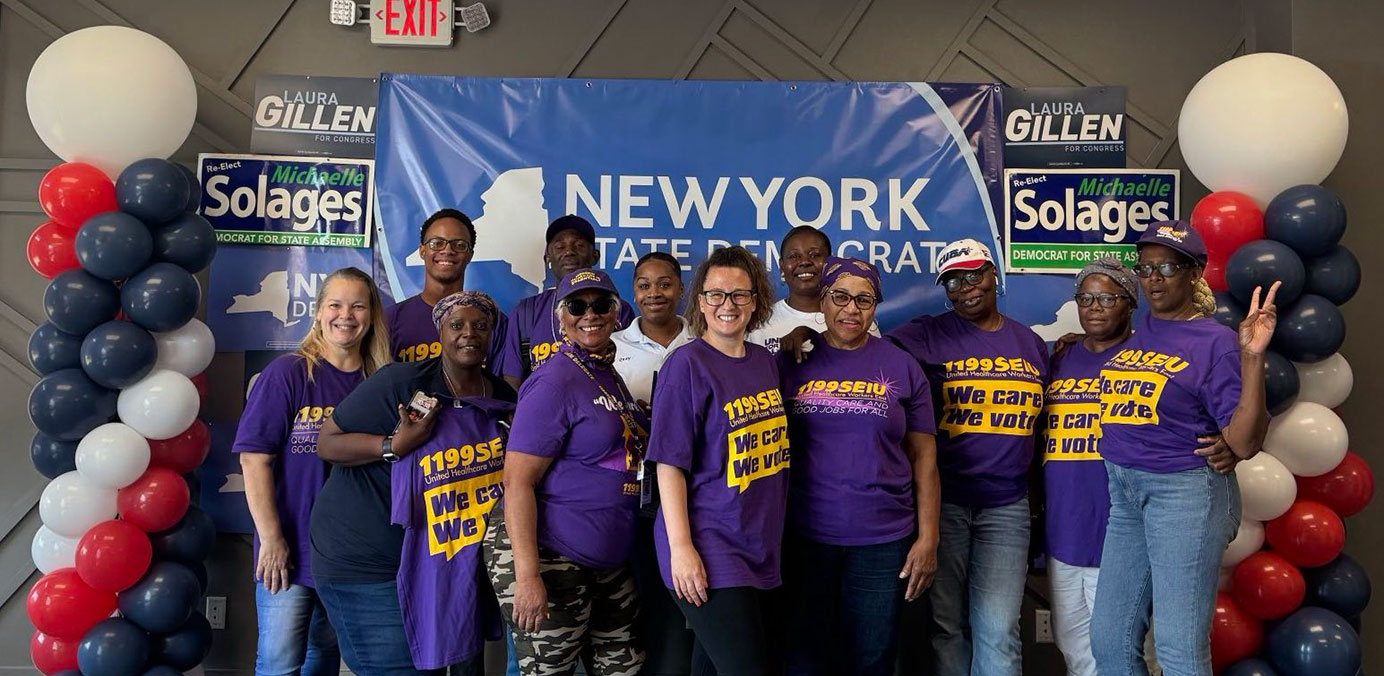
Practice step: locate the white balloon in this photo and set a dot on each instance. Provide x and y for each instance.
(1327, 382)
(113, 455)
(187, 349)
(1308, 438)
(1267, 488)
(161, 406)
(72, 504)
(1262, 123)
(1248, 540)
(110, 95)
(52, 551)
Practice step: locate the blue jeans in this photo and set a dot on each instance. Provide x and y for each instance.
(1164, 541)
(843, 605)
(369, 627)
(982, 563)
(294, 635)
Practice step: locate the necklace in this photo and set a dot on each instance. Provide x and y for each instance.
(456, 391)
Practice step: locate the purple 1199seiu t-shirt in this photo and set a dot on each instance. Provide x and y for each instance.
(987, 387)
(848, 412)
(1074, 479)
(282, 416)
(589, 497)
(721, 419)
(441, 494)
(534, 321)
(413, 336)
(1170, 383)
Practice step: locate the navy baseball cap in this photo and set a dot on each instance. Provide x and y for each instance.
(1179, 236)
(571, 222)
(584, 279)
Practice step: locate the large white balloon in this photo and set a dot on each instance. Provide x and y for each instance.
(52, 551)
(110, 95)
(1267, 488)
(187, 349)
(1247, 541)
(72, 504)
(113, 455)
(1308, 438)
(1262, 123)
(161, 406)
(1327, 382)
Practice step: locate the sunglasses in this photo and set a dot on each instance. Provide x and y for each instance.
(1105, 299)
(457, 245)
(864, 301)
(972, 278)
(1164, 269)
(601, 306)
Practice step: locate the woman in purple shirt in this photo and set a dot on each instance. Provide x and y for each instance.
(720, 441)
(1178, 381)
(277, 443)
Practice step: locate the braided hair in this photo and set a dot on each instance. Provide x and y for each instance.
(1202, 299)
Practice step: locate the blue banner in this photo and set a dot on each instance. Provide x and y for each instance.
(260, 199)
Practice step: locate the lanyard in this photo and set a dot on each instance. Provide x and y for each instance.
(626, 401)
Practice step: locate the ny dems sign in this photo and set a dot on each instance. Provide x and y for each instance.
(262, 199)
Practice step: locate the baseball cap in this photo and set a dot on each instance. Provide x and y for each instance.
(571, 222)
(963, 254)
(1179, 236)
(583, 279)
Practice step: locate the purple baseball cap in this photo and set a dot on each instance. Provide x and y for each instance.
(570, 222)
(584, 279)
(1179, 236)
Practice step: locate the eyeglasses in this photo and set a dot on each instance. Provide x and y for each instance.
(718, 298)
(1164, 269)
(972, 278)
(457, 245)
(601, 306)
(864, 301)
(1105, 299)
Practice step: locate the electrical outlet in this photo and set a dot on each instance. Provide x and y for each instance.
(1042, 625)
(216, 612)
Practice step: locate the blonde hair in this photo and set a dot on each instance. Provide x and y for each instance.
(739, 258)
(1203, 300)
(374, 347)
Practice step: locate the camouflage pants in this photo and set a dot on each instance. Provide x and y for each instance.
(591, 613)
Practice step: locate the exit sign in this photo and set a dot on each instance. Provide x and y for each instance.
(414, 23)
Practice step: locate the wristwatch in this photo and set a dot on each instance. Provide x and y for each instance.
(387, 450)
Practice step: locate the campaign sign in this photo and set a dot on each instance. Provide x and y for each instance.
(221, 485)
(1060, 219)
(1064, 127)
(314, 115)
(264, 199)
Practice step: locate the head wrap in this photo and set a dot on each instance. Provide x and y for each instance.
(836, 268)
(474, 299)
(1116, 271)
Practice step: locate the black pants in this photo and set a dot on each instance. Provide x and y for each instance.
(730, 633)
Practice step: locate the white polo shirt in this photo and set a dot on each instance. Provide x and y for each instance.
(784, 319)
(637, 357)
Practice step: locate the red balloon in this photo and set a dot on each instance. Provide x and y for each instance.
(155, 501)
(182, 453)
(1226, 220)
(113, 555)
(1346, 489)
(51, 655)
(72, 192)
(1309, 534)
(61, 605)
(1235, 634)
(1267, 586)
(50, 250)
(1214, 274)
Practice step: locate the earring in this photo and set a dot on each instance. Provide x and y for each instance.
(948, 304)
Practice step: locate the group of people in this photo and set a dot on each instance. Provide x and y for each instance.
(776, 477)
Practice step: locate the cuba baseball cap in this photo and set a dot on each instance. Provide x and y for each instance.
(1179, 236)
(582, 280)
(571, 222)
(963, 254)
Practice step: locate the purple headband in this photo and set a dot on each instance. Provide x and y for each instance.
(836, 268)
(474, 299)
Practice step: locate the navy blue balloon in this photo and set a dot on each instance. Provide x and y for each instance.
(160, 298)
(1309, 330)
(200, 570)
(1280, 382)
(189, 541)
(1250, 667)
(1229, 312)
(153, 190)
(186, 647)
(1314, 642)
(118, 354)
(1334, 275)
(1261, 263)
(1308, 218)
(1342, 586)
(66, 404)
(162, 670)
(52, 457)
(113, 245)
(52, 350)
(162, 600)
(77, 301)
(114, 647)
(194, 192)
(187, 241)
